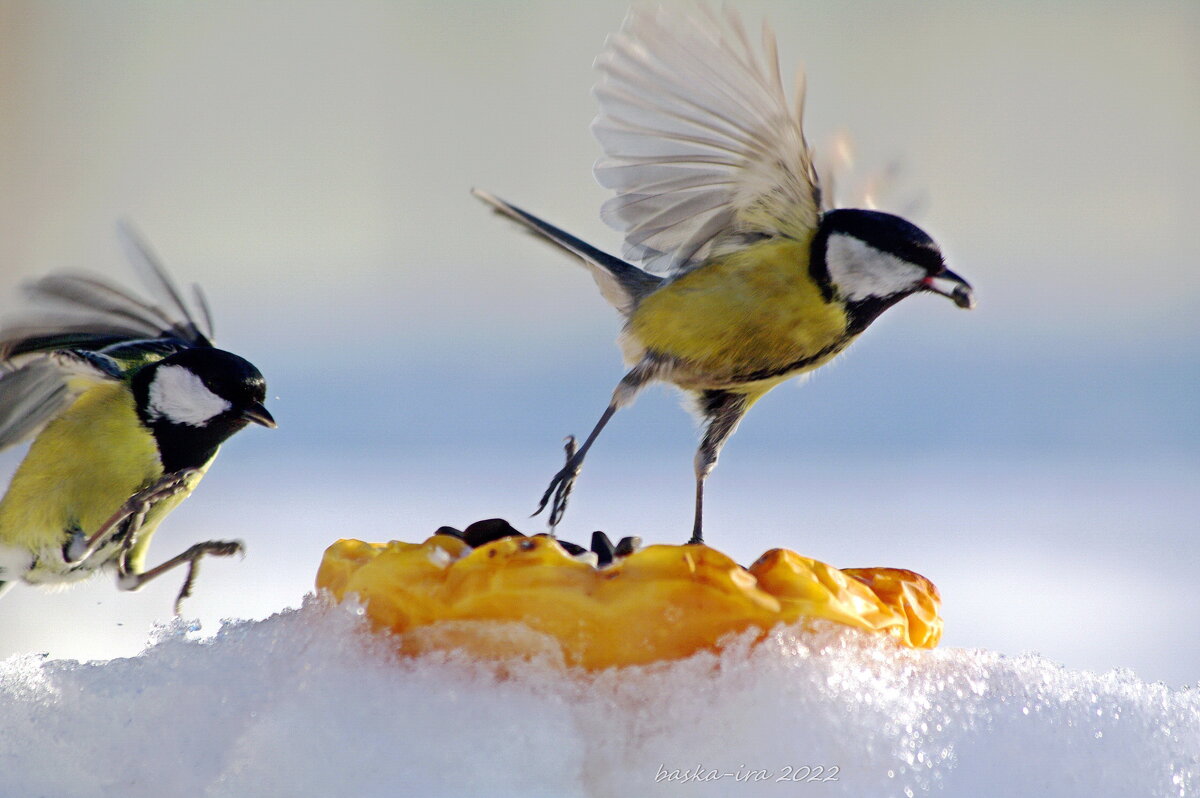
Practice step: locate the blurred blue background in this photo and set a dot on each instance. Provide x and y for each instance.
(309, 164)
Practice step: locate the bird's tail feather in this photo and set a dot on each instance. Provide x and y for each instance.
(621, 283)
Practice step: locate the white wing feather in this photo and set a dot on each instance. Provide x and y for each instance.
(699, 139)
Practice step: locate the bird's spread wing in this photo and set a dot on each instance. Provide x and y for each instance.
(701, 145)
(79, 331)
(183, 322)
(75, 311)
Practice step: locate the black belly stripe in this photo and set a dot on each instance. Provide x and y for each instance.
(666, 363)
(860, 314)
(796, 365)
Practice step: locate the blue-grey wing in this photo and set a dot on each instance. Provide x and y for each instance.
(33, 394)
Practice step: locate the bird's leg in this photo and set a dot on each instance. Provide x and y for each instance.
(722, 411)
(130, 579)
(564, 481)
(135, 508)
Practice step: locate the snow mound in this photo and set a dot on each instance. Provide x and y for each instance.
(306, 703)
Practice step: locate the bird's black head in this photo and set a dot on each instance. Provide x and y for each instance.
(195, 399)
(871, 260)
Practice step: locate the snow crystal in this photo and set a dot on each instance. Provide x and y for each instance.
(308, 703)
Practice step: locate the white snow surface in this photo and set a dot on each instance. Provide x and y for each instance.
(309, 703)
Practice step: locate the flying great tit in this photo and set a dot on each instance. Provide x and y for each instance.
(715, 188)
(129, 402)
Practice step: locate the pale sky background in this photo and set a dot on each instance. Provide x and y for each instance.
(309, 164)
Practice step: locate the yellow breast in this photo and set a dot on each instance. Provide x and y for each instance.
(79, 470)
(754, 311)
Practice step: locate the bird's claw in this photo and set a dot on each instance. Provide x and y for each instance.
(561, 486)
(560, 489)
(217, 548)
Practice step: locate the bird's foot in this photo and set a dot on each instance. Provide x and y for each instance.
(130, 580)
(561, 486)
(217, 548)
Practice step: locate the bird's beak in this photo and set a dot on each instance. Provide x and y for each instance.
(947, 283)
(259, 415)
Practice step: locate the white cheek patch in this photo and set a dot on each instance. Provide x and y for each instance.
(860, 271)
(181, 397)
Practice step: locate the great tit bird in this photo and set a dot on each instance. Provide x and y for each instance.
(715, 187)
(129, 402)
